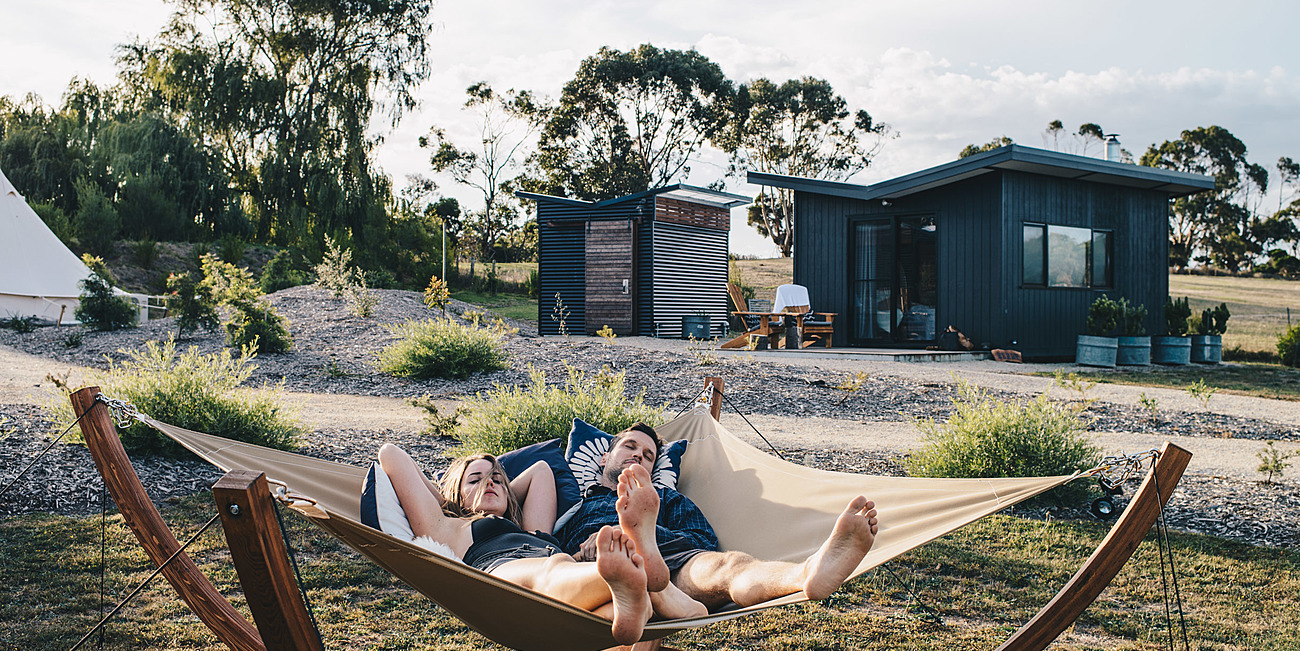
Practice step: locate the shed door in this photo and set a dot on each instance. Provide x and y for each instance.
(609, 276)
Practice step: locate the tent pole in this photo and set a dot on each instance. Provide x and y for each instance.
(155, 538)
(1106, 561)
(258, 551)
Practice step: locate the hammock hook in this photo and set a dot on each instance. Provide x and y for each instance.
(123, 412)
(282, 494)
(1116, 470)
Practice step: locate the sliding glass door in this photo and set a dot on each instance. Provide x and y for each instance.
(894, 281)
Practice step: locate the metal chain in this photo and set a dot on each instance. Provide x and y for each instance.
(123, 412)
(1116, 470)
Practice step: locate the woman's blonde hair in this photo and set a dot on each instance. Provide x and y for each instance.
(454, 504)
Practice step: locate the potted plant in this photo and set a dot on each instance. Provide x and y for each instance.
(696, 325)
(1173, 348)
(1098, 348)
(1207, 343)
(1134, 345)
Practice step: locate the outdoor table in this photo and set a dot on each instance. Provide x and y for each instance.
(770, 324)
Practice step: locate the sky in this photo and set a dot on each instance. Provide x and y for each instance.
(943, 74)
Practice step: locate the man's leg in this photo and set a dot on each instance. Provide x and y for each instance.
(638, 512)
(715, 578)
(617, 578)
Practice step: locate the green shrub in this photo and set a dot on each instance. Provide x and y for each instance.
(192, 390)
(146, 251)
(510, 417)
(1213, 321)
(442, 349)
(231, 248)
(280, 273)
(533, 285)
(193, 304)
(1177, 312)
(436, 294)
(1130, 316)
(229, 284)
(1103, 317)
(101, 309)
(986, 437)
(335, 271)
(96, 222)
(256, 325)
(1288, 346)
(20, 324)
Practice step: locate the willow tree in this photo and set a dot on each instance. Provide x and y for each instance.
(630, 121)
(798, 128)
(285, 90)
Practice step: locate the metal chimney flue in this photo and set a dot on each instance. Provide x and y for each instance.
(1112, 148)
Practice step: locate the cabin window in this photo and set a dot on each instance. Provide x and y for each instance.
(1066, 256)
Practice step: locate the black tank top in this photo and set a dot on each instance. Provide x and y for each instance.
(494, 534)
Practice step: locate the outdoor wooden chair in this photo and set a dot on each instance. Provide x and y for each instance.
(755, 316)
(814, 327)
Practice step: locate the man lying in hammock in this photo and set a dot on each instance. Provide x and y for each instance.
(677, 542)
(482, 519)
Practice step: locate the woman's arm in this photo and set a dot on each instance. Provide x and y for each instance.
(420, 498)
(535, 490)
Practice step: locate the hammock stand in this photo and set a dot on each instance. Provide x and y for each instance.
(247, 511)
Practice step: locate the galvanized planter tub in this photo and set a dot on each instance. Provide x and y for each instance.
(1171, 351)
(1134, 351)
(1207, 349)
(695, 326)
(1096, 351)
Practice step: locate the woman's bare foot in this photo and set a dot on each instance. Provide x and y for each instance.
(638, 512)
(624, 570)
(672, 603)
(850, 540)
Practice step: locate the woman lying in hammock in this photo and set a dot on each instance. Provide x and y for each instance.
(485, 520)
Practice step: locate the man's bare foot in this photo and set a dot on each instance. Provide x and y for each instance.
(854, 532)
(624, 570)
(638, 512)
(672, 603)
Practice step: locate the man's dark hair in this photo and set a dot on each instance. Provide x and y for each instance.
(644, 429)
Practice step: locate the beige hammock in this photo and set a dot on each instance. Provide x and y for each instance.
(757, 503)
(727, 478)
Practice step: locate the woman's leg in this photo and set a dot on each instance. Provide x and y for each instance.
(535, 490)
(617, 577)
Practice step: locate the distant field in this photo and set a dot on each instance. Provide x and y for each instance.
(1258, 306)
(766, 275)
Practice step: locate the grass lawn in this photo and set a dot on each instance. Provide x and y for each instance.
(985, 580)
(1258, 306)
(1249, 379)
(511, 306)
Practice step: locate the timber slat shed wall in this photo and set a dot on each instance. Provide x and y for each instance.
(670, 244)
(979, 206)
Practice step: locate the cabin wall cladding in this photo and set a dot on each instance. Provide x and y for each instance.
(637, 264)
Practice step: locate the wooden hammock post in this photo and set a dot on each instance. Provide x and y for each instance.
(157, 540)
(257, 548)
(1100, 568)
(715, 397)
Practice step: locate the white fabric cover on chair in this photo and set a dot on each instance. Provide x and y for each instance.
(787, 295)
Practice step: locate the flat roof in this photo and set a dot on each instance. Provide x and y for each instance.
(1010, 157)
(679, 191)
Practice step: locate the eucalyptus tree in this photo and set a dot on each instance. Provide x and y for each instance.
(508, 124)
(798, 128)
(971, 150)
(285, 91)
(1223, 222)
(629, 121)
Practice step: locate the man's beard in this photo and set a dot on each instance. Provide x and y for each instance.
(612, 474)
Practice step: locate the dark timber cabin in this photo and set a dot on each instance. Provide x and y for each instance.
(637, 263)
(1010, 246)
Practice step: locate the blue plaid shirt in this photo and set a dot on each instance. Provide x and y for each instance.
(678, 518)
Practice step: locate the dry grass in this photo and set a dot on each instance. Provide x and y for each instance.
(1258, 306)
(985, 580)
(767, 274)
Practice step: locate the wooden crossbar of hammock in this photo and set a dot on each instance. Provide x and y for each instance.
(282, 622)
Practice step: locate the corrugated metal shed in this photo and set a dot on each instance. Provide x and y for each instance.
(901, 259)
(637, 263)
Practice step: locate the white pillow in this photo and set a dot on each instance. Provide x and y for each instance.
(381, 509)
